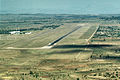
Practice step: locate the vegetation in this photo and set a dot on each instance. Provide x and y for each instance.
(107, 33)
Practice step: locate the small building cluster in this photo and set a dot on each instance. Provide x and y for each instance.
(19, 32)
(14, 32)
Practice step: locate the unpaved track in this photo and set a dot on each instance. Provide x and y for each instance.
(93, 34)
(45, 47)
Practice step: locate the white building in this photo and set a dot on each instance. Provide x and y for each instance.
(28, 33)
(14, 32)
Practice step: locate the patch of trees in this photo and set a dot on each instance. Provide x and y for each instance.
(107, 32)
(110, 18)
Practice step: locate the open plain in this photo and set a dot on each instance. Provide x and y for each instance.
(59, 47)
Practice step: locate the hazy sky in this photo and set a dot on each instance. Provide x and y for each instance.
(61, 6)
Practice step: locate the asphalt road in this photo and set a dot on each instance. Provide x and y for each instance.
(54, 42)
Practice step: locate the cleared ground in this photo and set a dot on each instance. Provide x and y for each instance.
(14, 63)
(72, 58)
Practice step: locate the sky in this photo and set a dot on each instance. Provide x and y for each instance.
(61, 6)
